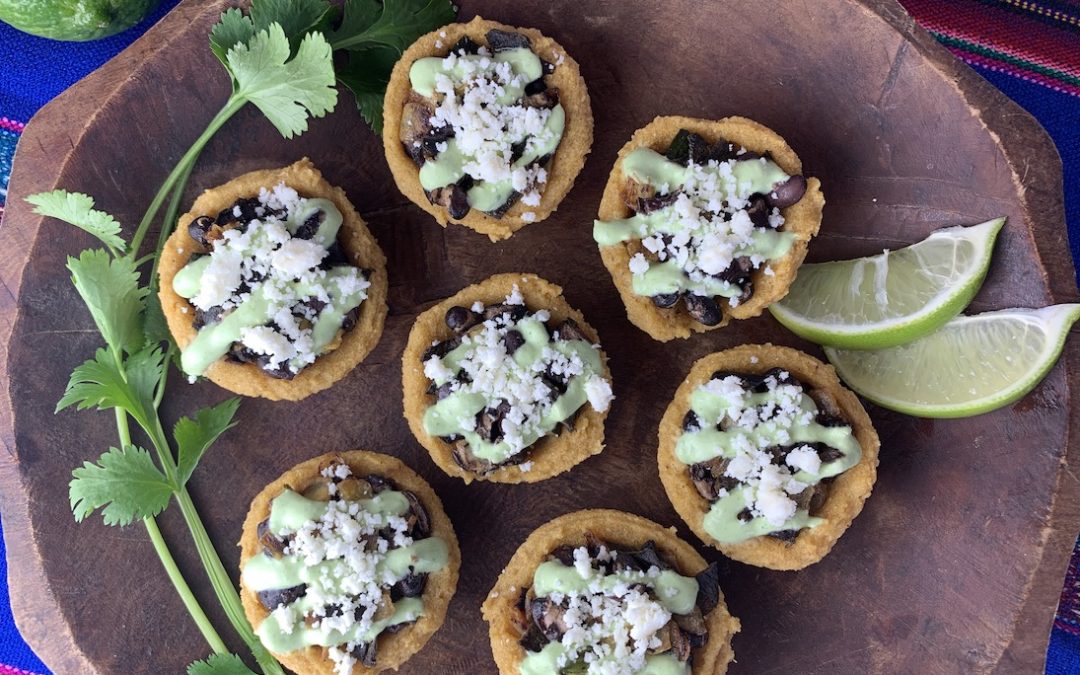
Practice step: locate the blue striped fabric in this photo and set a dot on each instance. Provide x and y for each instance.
(34, 70)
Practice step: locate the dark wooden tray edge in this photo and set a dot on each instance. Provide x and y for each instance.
(41, 620)
(1042, 189)
(38, 617)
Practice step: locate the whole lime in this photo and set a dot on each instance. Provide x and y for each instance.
(74, 20)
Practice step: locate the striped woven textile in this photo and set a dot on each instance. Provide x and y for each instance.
(1035, 41)
(1028, 49)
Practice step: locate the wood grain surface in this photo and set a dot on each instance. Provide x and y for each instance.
(954, 566)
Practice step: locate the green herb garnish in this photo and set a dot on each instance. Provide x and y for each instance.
(280, 58)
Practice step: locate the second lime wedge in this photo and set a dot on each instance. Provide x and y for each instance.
(892, 298)
(972, 365)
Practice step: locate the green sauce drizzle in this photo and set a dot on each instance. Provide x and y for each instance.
(546, 662)
(449, 166)
(707, 443)
(649, 167)
(450, 415)
(213, 341)
(675, 592)
(678, 594)
(290, 511)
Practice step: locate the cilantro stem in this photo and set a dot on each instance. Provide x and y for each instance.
(182, 588)
(169, 221)
(207, 629)
(183, 168)
(223, 585)
(220, 581)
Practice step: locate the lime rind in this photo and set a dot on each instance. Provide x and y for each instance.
(972, 365)
(892, 298)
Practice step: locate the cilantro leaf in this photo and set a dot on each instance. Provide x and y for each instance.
(398, 25)
(194, 436)
(125, 482)
(286, 91)
(98, 382)
(110, 288)
(358, 16)
(155, 328)
(366, 73)
(232, 28)
(76, 208)
(219, 664)
(296, 18)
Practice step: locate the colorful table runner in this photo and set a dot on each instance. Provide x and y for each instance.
(1029, 49)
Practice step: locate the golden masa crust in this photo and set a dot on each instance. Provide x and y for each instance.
(569, 156)
(355, 239)
(847, 494)
(551, 455)
(621, 529)
(394, 648)
(803, 218)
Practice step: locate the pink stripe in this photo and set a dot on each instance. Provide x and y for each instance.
(1015, 71)
(8, 670)
(17, 127)
(1055, 47)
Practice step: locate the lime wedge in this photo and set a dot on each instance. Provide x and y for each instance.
(972, 365)
(892, 298)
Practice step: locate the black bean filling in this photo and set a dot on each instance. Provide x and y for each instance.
(690, 148)
(352, 488)
(420, 139)
(541, 622)
(709, 479)
(461, 320)
(206, 231)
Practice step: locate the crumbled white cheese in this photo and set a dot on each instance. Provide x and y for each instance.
(515, 297)
(528, 216)
(599, 393)
(489, 370)
(436, 370)
(710, 226)
(638, 264)
(804, 458)
(470, 99)
(526, 467)
(353, 589)
(609, 627)
(752, 428)
(296, 256)
(265, 340)
(262, 256)
(220, 279)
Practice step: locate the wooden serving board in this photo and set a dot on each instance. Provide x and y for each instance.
(954, 566)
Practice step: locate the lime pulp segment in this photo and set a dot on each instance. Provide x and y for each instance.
(891, 298)
(972, 365)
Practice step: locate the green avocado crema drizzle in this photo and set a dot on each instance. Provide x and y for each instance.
(546, 662)
(332, 577)
(455, 161)
(708, 442)
(751, 176)
(675, 592)
(456, 414)
(262, 304)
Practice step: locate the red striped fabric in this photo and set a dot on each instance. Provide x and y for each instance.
(1037, 41)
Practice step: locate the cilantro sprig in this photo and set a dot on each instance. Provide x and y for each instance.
(280, 57)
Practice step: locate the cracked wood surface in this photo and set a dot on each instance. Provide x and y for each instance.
(954, 566)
